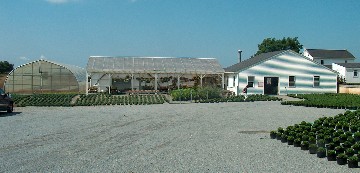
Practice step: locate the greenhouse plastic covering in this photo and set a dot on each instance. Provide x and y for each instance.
(102, 64)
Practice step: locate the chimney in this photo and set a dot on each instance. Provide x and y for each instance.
(239, 55)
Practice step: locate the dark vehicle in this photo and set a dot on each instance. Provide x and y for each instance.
(6, 103)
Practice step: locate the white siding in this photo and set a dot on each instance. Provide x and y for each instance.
(286, 65)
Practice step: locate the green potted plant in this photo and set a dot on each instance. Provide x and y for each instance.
(312, 140)
(351, 140)
(305, 145)
(283, 138)
(321, 152)
(273, 134)
(346, 144)
(297, 142)
(305, 138)
(356, 147)
(339, 149)
(349, 152)
(312, 148)
(330, 146)
(336, 141)
(343, 138)
(290, 140)
(278, 135)
(353, 162)
(341, 159)
(346, 127)
(331, 155)
(327, 139)
(357, 136)
(321, 143)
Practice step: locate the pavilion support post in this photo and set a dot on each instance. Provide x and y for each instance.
(87, 84)
(132, 82)
(178, 82)
(110, 83)
(201, 79)
(156, 82)
(222, 81)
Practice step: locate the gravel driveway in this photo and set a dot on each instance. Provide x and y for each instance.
(217, 137)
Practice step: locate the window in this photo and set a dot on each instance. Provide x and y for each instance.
(291, 81)
(316, 81)
(355, 73)
(322, 62)
(251, 80)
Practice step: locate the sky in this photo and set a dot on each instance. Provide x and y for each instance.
(70, 31)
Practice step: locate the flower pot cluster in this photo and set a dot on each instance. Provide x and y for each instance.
(43, 100)
(106, 99)
(334, 101)
(241, 98)
(334, 138)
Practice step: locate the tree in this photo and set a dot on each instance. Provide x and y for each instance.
(6, 67)
(271, 45)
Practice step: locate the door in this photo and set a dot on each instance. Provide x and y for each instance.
(271, 85)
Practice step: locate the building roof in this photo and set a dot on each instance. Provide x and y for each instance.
(330, 54)
(252, 61)
(130, 64)
(79, 73)
(350, 65)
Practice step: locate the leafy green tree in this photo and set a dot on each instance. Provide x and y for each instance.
(272, 44)
(6, 67)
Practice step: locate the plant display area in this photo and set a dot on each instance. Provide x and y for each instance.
(335, 101)
(105, 99)
(85, 100)
(336, 138)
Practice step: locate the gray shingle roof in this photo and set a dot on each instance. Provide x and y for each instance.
(329, 54)
(350, 65)
(252, 61)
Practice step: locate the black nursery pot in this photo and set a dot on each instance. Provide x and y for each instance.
(297, 144)
(321, 154)
(353, 164)
(331, 158)
(341, 161)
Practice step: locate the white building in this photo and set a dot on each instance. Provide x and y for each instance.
(280, 73)
(348, 71)
(327, 57)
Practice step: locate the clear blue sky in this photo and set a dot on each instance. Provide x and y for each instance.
(69, 31)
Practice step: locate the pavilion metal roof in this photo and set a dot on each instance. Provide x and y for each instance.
(130, 64)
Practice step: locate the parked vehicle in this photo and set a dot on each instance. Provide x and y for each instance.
(6, 103)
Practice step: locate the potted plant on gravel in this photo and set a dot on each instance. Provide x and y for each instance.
(357, 136)
(278, 135)
(336, 141)
(327, 139)
(312, 140)
(341, 159)
(330, 146)
(321, 143)
(290, 140)
(297, 142)
(331, 155)
(273, 134)
(353, 128)
(343, 138)
(312, 148)
(349, 152)
(321, 152)
(339, 149)
(356, 147)
(283, 138)
(305, 145)
(353, 162)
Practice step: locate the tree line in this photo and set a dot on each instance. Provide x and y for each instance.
(6, 67)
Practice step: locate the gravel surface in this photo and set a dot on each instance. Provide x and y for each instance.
(218, 137)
